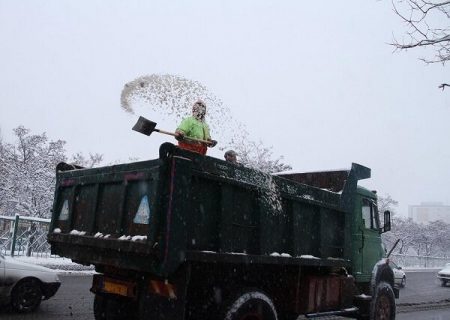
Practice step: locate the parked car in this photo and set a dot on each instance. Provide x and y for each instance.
(24, 285)
(399, 275)
(444, 275)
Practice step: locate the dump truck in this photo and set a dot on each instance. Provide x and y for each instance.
(187, 236)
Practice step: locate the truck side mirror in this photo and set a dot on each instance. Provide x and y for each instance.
(387, 221)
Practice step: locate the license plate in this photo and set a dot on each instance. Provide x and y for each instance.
(115, 288)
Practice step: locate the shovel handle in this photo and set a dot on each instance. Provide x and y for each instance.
(165, 132)
(185, 138)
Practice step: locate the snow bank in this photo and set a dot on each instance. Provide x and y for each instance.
(307, 256)
(135, 238)
(78, 233)
(274, 254)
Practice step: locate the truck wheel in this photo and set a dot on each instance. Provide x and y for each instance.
(250, 305)
(111, 308)
(99, 307)
(383, 303)
(443, 283)
(26, 295)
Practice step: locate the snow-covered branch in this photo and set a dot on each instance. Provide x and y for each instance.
(27, 173)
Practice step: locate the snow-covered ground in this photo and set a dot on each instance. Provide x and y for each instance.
(62, 265)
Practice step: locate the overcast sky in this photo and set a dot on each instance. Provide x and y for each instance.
(317, 81)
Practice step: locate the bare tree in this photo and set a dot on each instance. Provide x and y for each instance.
(422, 239)
(90, 162)
(387, 203)
(434, 238)
(407, 231)
(3, 182)
(257, 155)
(428, 26)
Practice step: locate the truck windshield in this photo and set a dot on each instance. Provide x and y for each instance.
(369, 214)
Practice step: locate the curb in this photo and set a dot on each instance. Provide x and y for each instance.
(422, 306)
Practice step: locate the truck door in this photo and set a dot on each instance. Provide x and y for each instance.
(370, 237)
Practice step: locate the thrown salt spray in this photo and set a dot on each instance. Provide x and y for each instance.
(271, 196)
(172, 93)
(173, 96)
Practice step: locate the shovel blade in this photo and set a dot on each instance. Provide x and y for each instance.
(144, 126)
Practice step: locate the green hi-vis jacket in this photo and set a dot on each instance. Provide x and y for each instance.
(193, 128)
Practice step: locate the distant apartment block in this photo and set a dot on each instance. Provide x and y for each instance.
(429, 211)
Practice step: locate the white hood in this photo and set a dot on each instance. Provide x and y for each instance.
(16, 268)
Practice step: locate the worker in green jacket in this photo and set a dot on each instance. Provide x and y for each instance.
(195, 127)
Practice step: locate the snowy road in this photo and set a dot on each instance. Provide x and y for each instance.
(74, 300)
(423, 287)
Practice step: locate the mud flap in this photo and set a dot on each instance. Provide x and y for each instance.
(154, 303)
(151, 306)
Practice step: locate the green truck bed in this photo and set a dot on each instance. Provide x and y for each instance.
(152, 216)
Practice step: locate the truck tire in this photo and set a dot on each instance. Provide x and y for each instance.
(443, 282)
(111, 308)
(100, 307)
(383, 304)
(250, 305)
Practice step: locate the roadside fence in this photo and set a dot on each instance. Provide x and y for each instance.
(24, 236)
(411, 261)
(27, 236)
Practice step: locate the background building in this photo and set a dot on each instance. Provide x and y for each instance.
(429, 211)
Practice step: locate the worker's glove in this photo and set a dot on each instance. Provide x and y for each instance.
(213, 143)
(179, 136)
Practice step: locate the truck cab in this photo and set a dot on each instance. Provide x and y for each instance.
(366, 235)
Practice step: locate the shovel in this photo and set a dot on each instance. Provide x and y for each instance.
(146, 127)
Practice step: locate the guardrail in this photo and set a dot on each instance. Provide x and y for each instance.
(21, 235)
(410, 261)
